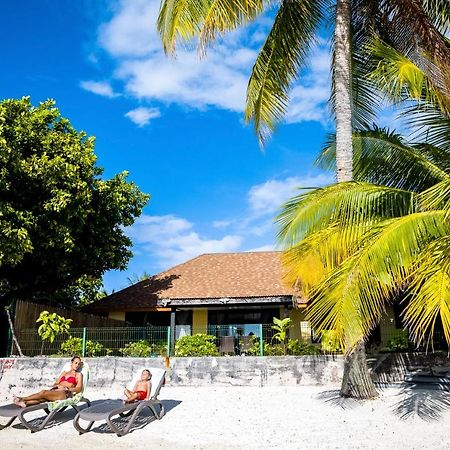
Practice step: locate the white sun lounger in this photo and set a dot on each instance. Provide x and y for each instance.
(14, 411)
(107, 410)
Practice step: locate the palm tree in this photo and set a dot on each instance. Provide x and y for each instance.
(285, 51)
(371, 238)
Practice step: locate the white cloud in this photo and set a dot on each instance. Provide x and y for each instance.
(221, 223)
(141, 116)
(171, 240)
(219, 80)
(266, 198)
(102, 88)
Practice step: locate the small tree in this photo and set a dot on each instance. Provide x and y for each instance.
(281, 326)
(52, 326)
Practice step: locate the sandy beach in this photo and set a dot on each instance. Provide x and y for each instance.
(270, 417)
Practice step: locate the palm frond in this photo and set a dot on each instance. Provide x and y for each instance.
(430, 293)
(185, 19)
(400, 79)
(364, 284)
(439, 12)
(347, 204)
(381, 156)
(437, 197)
(278, 63)
(431, 125)
(307, 263)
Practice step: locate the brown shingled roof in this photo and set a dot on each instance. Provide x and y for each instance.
(208, 276)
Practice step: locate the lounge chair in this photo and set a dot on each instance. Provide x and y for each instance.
(227, 345)
(109, 409)
(51, 408)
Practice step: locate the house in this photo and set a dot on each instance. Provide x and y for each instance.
(220, 289)
(211, 289)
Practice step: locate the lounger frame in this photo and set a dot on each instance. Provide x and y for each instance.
(102, 411)
(16, 412)
(131, 410)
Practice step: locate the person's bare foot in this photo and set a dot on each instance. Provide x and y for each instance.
(19, 402)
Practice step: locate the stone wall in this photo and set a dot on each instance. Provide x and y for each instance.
(20, 375)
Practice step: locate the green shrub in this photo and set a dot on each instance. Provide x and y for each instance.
(196, 345)
(74, 346)
(398, 342)
(299, 347)
(252, 348)
(273, 350)
(138, 349)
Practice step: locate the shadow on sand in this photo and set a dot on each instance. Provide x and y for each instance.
(333, 398)
(427, 401)
(141, 421)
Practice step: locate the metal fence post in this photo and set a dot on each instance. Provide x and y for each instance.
(261, 345)
(172, 333)
(83, 348)
(168, 342)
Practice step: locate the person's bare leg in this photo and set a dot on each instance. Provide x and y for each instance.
(40, 397)
(131, 396)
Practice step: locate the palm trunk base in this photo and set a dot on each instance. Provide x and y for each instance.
(356, 382)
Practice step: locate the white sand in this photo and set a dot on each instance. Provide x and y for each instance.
(300, 417)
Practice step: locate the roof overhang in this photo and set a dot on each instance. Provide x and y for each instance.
(241, 301)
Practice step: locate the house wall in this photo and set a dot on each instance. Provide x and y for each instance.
(200, 320)
(301, 329)
(117, 315)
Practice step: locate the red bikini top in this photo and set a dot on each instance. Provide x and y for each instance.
(69, 379)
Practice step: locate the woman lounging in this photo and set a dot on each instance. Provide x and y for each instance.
(67, 384)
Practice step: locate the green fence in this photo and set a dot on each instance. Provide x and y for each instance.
(239, 339)
(127, 341)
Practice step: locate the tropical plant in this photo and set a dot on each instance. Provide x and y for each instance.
(414, 28)
(409, 26)
(373, 241)
(281, 326)
(196, 345)
(52, 326)
(60, 220)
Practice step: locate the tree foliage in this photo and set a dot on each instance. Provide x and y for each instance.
(354, 247)
(413, 30)
(60, 220)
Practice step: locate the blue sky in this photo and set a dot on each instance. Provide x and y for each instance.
(175, 125)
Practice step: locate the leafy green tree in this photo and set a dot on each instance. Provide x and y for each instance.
(60, 220)
(369, 240)
(52, 326)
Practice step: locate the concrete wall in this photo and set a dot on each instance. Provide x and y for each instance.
(22, 375)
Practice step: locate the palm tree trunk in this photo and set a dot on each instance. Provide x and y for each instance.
(342, 74)
(356, 381)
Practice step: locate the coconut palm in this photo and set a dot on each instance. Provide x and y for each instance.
(411, 26)
(372, 238)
